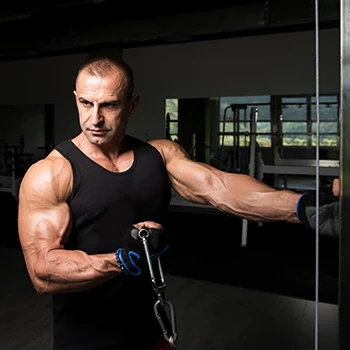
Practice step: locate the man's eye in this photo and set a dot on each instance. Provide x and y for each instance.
(109, 106)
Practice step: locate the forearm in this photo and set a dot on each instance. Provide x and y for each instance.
(251, 199)
(64, 271)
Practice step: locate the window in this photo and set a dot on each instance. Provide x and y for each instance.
(328, 117)
(240, 109)
(171, 118)
(298, 121)
(294, 121)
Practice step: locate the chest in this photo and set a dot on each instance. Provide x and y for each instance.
(141, 188)
(119, 165)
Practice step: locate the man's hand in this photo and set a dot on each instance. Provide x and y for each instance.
(336, 187)
(132, 257)
(329, 214)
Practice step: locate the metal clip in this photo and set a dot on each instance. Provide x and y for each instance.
(159, 289)
(172, 338)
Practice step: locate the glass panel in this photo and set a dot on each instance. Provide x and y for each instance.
(293, 100)
(228, 140)
(244, 114)
(263, 127)
(227, 115)
(225, 102)
(263, 140)
(173, 137)
(264, 113)
(244, 140)
(294, 140)
(173, 127)
(294, 127)
(326, 127)
(171, 107)
(294, 112)
(326, 141)
(244, 127)
(326, 138)
(228, 127)
(327, 112)
(322, 99)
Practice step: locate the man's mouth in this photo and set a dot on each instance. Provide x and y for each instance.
(98, 132)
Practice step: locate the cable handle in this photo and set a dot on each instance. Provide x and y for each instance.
(143, 235)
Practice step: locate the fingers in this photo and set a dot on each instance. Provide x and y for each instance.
(148, 224)
(336, 187)
(329, 223)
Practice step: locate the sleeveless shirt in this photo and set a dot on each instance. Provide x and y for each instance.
(117, 314)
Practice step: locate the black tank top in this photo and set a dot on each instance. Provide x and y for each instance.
(119, 313)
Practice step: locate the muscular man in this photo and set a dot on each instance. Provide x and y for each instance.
(77, 205)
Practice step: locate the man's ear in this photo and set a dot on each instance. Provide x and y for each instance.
(134, 102)
(75, 93)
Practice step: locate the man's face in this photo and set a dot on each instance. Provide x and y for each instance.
(103, 108)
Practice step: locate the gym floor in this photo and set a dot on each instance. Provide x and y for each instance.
(226, 296)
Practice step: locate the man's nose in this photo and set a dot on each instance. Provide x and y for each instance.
(97, 116)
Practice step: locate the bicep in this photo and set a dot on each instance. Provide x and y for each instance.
(42, 227)
(43, 219)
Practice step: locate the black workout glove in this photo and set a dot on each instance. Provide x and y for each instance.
(132, 257)
(329, 214)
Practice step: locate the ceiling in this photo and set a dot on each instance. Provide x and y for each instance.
(78, 12)
(34, 29)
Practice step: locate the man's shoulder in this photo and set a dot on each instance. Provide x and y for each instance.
(163, 143)
(48, 180)
(54, 164)
(167, 148)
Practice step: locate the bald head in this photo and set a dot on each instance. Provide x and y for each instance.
(106, 66)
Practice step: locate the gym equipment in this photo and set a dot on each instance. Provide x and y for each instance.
(137, 241)
(280, 166)
(254, 117)
(159, 289)
(10, 183)
(14, 167)
(193, 150)
(131, 256)
(235, 160)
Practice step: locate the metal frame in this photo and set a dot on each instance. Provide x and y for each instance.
(344, 240)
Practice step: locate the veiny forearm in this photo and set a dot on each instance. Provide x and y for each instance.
(247, 197)
(63, 271)
(238, 194)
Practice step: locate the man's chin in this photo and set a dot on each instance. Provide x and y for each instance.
(97, 140)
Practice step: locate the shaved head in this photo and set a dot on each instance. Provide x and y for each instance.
(104, 66)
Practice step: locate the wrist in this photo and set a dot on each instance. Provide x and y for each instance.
(298, 207)
(128, 261)
(117, 259)
(307, 199)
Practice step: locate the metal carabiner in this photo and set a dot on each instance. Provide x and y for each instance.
(172, 338)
